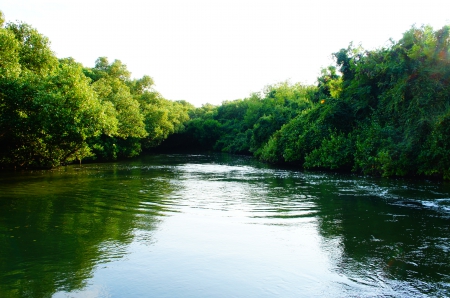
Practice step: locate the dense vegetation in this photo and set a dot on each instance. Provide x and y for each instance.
(56, 111)
(380, 112)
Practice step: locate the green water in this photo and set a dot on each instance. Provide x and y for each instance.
(220, 226)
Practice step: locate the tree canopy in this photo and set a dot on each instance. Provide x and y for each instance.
(380, 112)
(54, 111)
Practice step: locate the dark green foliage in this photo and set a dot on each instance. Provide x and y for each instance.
(381, 112)
(386, 114)
(199, 133)
(434, 157)
(387, 118)
(244, 126)
(111, 148)
(335, 152)
(412, 92)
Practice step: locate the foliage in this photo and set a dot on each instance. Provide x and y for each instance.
(335, 152)
(385, 115)
(434, 158)
(244, 126)
(47, 109)
(139, 117)
(56, 111)
(380, 112)
(406, 92)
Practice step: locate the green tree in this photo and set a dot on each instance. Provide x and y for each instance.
(9, 55)
(126, 127)
(35, 54)
(47, 109)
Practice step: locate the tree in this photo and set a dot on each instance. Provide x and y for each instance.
(47, 109)
(121, 137)
(35, 54)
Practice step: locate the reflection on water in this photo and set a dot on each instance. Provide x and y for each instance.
(220, 226)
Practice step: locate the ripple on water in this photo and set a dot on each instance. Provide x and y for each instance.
(197, 226)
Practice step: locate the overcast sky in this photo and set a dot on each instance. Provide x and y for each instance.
(210, 51)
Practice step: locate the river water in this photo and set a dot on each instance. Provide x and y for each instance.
(219, 225)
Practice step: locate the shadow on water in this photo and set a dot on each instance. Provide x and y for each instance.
(57, 226)
(393, 234)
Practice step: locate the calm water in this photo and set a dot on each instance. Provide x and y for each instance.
(220, 226)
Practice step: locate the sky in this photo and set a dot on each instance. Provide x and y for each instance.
(209, 51)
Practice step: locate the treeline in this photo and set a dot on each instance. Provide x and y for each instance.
(381, 112)
(55, 111)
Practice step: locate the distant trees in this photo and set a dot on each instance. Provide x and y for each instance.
(244, 126)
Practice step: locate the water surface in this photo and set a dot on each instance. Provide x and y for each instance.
(220, 226)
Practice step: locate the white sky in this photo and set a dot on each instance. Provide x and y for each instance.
(210, 51)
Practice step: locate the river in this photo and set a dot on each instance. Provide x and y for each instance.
(218, 225)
